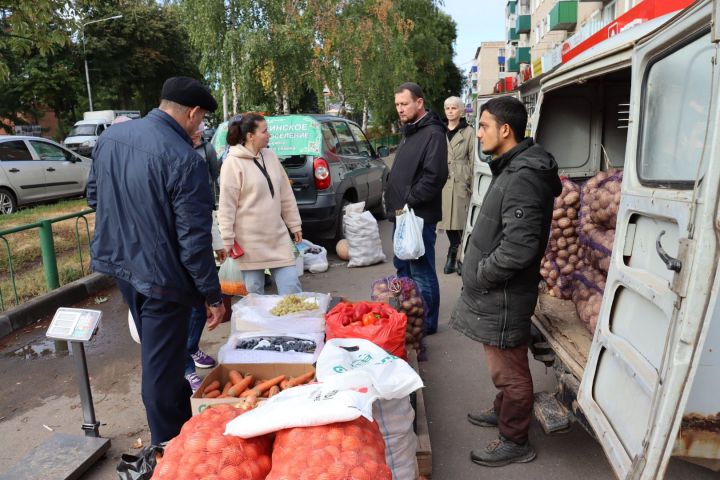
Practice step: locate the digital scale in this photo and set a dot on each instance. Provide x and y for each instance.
(64, 456)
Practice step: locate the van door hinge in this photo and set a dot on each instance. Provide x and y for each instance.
(680, 281)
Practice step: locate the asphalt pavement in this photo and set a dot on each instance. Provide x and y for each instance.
(40, 394)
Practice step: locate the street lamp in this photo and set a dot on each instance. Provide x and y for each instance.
(87, 72)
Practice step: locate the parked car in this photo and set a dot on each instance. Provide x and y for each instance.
(36, 169)
(330, 163)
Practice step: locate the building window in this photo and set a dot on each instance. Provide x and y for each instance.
(610, 12)
(502, 68)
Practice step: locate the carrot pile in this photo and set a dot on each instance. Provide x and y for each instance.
(249, 389)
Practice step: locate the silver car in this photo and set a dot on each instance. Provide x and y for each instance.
(34, 169)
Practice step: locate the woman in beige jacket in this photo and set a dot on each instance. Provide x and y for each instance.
(457, 190)
(257, 207)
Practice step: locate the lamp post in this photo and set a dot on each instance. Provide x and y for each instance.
(87, 72)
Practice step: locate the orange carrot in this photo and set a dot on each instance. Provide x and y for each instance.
(274, 390)
(284, 384)
(227, 387)
(215, 385)
(239, 388)
(213, 394)
(263, 387)
(235, 377)
(301, 379)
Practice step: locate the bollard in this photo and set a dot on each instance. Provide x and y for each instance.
(47, 249)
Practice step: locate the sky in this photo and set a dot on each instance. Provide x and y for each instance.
(477, 21)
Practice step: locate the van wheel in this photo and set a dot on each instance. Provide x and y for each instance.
(8, 204)
(339, 221)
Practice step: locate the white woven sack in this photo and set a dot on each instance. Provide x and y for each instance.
(363, 236)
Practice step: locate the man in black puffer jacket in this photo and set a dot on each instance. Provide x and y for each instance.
(501, 272)
(417, 179)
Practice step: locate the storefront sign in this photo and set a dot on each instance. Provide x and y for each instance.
(294, 135)
(537, 69)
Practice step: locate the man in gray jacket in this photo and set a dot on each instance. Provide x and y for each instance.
(501, 272)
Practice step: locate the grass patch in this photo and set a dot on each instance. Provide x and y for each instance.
(42, 212)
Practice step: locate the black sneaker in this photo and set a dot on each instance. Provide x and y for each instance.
(486, 418)
(501, 452)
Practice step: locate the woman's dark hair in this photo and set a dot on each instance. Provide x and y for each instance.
(508, 110)
(241, 125)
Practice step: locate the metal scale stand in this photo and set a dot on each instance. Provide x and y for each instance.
(64, 456)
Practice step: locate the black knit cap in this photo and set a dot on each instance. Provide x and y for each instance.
(189, 92)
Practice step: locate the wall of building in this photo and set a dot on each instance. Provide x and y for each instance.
(488, 72)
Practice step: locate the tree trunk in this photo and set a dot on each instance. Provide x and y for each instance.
(366, 115)
(278, 99)
(286, 103)
(233, 85)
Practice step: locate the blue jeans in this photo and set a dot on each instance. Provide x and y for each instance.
(286, 280)
(198, 317)
(422, 271)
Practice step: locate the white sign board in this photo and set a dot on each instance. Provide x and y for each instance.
(74, 324)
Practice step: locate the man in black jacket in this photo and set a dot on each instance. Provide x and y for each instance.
(417, 179)
(501, 272)
(151, 194)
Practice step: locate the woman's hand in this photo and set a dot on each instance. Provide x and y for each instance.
(298, 237)
(221, 255)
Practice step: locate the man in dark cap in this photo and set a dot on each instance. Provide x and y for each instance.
(151, 192)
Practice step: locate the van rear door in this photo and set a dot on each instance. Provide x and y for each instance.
(653, 321)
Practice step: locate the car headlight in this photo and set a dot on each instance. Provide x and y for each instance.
(89, 143)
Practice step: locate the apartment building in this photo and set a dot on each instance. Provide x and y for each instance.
(489, 66)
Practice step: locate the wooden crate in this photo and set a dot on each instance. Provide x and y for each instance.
(424, 449)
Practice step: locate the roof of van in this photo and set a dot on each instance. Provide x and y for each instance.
(611, 54)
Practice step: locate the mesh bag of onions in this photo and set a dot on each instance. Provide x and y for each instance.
(599, 204)
(587, 293)
(562, 254)
(409, 302)
(340, 451)
(201, 450)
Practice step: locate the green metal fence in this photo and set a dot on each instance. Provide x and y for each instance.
(47, 250)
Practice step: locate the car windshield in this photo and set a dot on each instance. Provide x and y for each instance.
(82, 130)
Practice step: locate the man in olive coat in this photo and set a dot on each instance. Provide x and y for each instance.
(501, 272)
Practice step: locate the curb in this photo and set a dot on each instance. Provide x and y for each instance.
(30, 312)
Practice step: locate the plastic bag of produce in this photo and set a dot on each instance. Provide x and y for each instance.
(588, 288)
(272, 347)
(201, 450)
(231, 278)
(376, 322)
(257, 313)
(351, 450)
(395, 419)
(305, 406)
(314, 257)
(601, 198)
(408, 240)
(408, 301)
(354, 363)
(363, 236)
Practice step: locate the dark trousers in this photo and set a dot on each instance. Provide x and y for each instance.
(510, 373)
(163, 330)
(423, 272)
(198, 318)
(455, 237)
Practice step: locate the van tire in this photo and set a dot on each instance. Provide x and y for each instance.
(8, 204)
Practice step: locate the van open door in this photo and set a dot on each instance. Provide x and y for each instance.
(654, 317)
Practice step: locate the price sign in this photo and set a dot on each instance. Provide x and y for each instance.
(74, 324)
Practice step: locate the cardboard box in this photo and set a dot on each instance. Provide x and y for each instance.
(265, 371)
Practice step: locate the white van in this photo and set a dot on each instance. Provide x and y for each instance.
(83, 135)
(647, 383)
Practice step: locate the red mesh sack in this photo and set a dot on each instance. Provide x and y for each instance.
(201, 450)
(340, 451)
(386, 328)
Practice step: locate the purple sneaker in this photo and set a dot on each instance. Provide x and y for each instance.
(203, 360)
(194, 381)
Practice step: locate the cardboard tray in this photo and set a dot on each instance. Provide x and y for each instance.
(259, 370)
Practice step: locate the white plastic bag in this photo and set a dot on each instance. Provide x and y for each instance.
(363, 236)
(395, 419)
(408, 240)
(355, 362)
(133, 328)
(230, 353)
(252, 314)
(314, 257)
(304, 406)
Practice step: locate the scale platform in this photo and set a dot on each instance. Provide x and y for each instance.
(61, 457)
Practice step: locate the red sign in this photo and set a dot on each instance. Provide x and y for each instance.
(642, 12)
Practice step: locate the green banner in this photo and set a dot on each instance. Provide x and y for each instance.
(289, 135)
(294, 135)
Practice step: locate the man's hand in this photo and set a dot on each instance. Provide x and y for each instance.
(215, 316)
(221, 255)
(298, 237)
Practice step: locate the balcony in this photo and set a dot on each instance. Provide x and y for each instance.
(501, 60)
(511, 7)
(522, 55)
(512, 65)
(513, 35)
(563, 15)
(522, 23)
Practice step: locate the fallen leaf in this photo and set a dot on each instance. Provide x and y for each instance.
(99, 300)
(138, 444)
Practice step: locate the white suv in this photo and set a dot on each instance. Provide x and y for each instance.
(34, 169)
